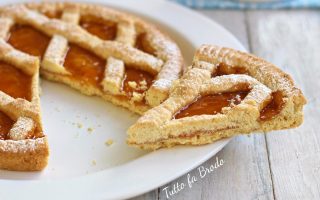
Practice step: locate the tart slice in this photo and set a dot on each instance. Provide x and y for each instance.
(224, 93)
(23, 145)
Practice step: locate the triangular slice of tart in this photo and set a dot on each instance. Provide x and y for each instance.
(23, 146)
(224, 93)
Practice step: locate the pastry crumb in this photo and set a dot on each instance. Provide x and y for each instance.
(137, 96)
(132, 84)
(79, 125)
(109, 142)
(90, 130)
(143, 85)
(93, 162)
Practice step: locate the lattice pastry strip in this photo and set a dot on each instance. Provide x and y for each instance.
(28, 64)
(158, 91)
(115, 68)
(113, 76)
(22, 128)
(58, 47)
(126, 33)
(5, 24)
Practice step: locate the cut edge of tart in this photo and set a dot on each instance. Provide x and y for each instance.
(23, 146)
(224, 93)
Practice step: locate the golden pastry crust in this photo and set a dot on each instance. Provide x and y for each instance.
(24, 155)
(157, 128)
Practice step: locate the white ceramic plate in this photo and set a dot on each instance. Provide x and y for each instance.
(81, 165)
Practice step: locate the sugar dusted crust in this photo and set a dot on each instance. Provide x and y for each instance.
(157, 128)
(24, 155)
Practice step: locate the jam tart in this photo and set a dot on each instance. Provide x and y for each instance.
(224, 93)
(94, 49)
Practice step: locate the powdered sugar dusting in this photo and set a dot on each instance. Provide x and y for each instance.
(22, 146)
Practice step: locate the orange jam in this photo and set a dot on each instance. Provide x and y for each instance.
(211, 104)
(224, 69)
(29, 40)
(84, 65)
(14, 82)
(144, 45)
(5, 125)
(35, 133)
(52, 14)
(106, 30)
(273, 108)
(141, 78)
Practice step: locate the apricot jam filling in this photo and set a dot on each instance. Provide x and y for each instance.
(5, 125)
(105, 30)
(273, 108)
(89, 68)
(14, 82)
(84, 65)
(224, 69)
(136, 81)
(29, 40)
(52, 14)
(143, 45)
(211, 104)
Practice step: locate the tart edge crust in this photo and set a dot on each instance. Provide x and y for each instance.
(24, 155)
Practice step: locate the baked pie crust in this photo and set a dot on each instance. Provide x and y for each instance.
(94, 49)
(224, 93)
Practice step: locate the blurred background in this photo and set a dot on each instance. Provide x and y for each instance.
(250, 4)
